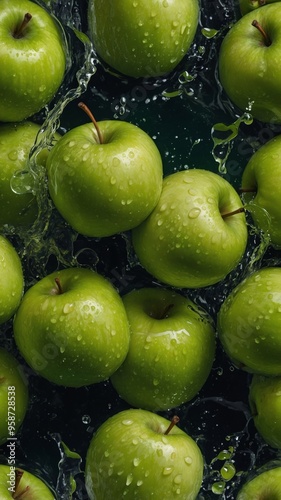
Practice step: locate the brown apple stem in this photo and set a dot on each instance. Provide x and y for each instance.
(20, 496)
(59, 287)
(266, 38)
(18, 33)
(238, 211)
(262, 2)
(92, 118)
(249, 190)
(166, 311)
(175, 420)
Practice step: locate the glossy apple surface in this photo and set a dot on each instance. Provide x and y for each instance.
(248, 5)
(131, 456)
(30, 487)
(146, 38)
(266, 485)
(261, 177)
(16, 142)
(265, 404)
(185, 242)
(30, 73)
(71, 328)
(13, 395)
(171, 351)
(249, 323)
(11, 280)
(105, 188)
(249, 68)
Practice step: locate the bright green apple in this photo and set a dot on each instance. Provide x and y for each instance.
(134, 454)
(171, 352)
(249, 63)
(30, 72)
(20, 484)
(248, 5)
(71, 327)
(11, 280)
(108, 184)
(249, 323)
(16, 142)
(265, 485)
(191, 240)
(146, 37)
(13, 395)
(262, 188)
(265, 404)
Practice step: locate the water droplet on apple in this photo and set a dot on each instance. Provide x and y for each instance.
(13, 155)
(139, 482)
(178, 479)
(155, 382)
(135, 441)
(53, 320)
(79, 337)
(136, 461)
(167, 471)
(67, 308)
(127, 422)
(188, 460)
(85, 157)
(159, 222)
(71, 144)
(62, 349)
(129, 479)
(194, 213)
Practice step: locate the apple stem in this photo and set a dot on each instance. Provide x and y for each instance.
(166, 311)
(175, 420)
(238, 211)
(266, 38)
(92, 118)
(18, 33)
(249, 190)
(19, 474)
(59, 287)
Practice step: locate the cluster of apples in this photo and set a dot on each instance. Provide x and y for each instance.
(188, 230)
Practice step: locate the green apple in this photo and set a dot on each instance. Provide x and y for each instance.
(249, 68)
(146, 37)
(262, 188)
(16, 142)
(20, 484)
(249, 323)
(171, 351)
(13, 395)
(265, 404)
(107, 182)
(191, 240)
(71, 327)
(30, 72)
(265, 485)
(11, 280)
(248, 5)
(139, 454)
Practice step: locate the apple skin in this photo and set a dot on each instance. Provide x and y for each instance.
(11, 280)
(11, 377)
(263, 173)
(265, 485)
(16, 141)
(265, 404)
(249, 70)
(104, 189)
(30, 74)
(130, 455)
(77, 337)
(249, 5)
(171, 352)
(146, 38)
(36, 486)
(249, 323)
(185, 242)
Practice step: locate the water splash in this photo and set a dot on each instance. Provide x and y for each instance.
(69, 468)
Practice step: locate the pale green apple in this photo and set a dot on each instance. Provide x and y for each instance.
(249, 323)
(171, 352)
(20, 484)
(13, 395)
(16, 142)
(72, 328)
(11, 280)
(265, 404)
(190, 240)
(265, 485)
(141, 38)
(248, 5)
(130, 456)
(103, 186)
(261, 178)
(249, 63)
(32, 59)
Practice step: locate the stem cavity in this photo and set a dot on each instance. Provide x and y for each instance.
(265, 36)
(19, 31)
(59, 286)
(93, 120)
